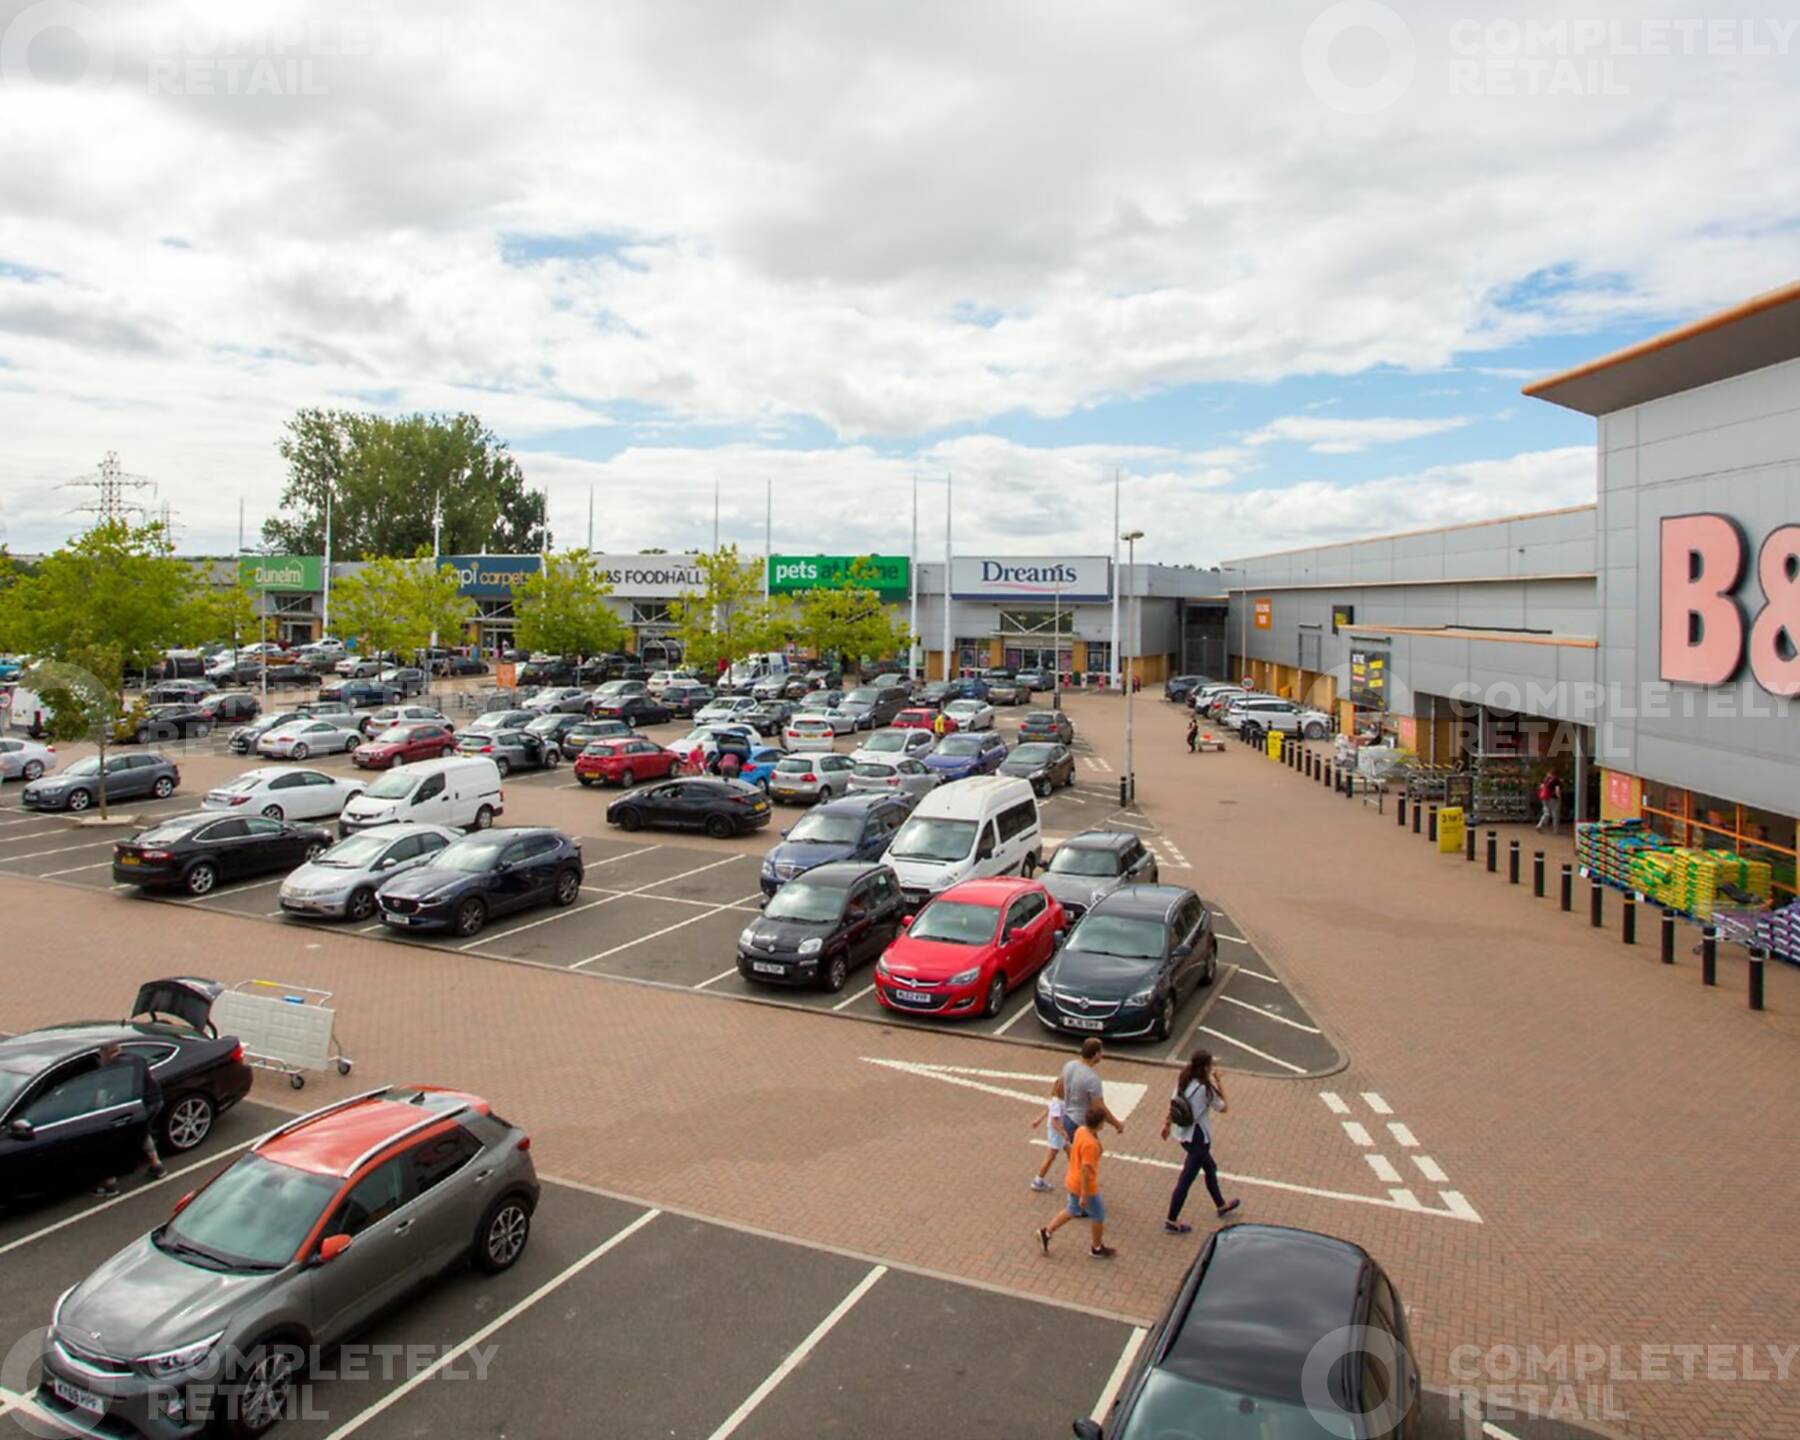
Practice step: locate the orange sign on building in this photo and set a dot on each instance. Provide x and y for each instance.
(1265, 614)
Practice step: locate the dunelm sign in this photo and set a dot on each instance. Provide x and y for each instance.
(282, 572)
(1031, 577)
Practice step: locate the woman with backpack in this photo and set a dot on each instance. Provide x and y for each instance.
(1198, 1093)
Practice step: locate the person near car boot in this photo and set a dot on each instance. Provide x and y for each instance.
(143, 1085)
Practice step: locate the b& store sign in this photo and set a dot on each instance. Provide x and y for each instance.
(650, 577)
(793, 574)
(489, 577)
(1710, 621)
(1030, 577)
(282, 572)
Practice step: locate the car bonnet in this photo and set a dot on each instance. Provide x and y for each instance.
(143, 1302)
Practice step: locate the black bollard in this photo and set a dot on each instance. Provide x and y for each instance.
(1349, 784)
(1756, 977)
(1537, 874)
(1668, 937)
(1124, 793)
(1417, 816)
(1596, 904)
(1493, 852)
(1628, 921)
(1568, 888)
(1431, 825)
(1400, 812)
(1709, 955)
(1512, 863)
(1469, 843)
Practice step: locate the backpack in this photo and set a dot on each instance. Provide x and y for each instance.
(1181, 1112)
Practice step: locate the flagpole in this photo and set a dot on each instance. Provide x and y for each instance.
(1115, 577)
(949, 506)
(912, 570)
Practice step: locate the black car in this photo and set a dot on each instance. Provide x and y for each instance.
(452, 666)
(719, 807)
(1045, 763)
(489, 873)
(768, 717)
(822, 925)
(231, 706)
(243, 739)
(933, 693)
(128, 777)
(195, 852)
(179, 665)
(873, 705)
(516, 749)
(179, 692)
(1179, 687)
(1275, 1331)
(546, 672)
(67, 1120)
(1046, 725)
(634, 710)
(164, 722)
(1129, 963)
(554, 729)
(363, 694)
(407, 679)
(686, 699)
(235, 672)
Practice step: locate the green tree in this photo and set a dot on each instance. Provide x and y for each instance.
(562, 609)
(387, 476)
(849, 621)
(81, 699)
(727, 617)
(394, 606)
(224, 613)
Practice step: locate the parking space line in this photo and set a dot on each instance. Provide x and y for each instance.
(1357, 1133)
(1269, 1014)
(46, 854)
(72, 870)
(1028, 1008)
(722, 975)
(1376, 1103)
(1403, 1136)
(797, 1355)
(667, 929)
(846, 1004)
(1384, 1169)
(614, 859)
(1254, 974)
(1430, 1169)
(412, 1382)
(234, 890)
(1334, 1102)
(610, 896)
(1110, 1391)
(1235, 940)
(562, 914)
(1252, 1050)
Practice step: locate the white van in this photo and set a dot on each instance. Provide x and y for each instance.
(759, 667)
(457, 790)
(985, 825)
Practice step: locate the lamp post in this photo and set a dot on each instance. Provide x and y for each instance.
(1130, 537)
(1056, 652)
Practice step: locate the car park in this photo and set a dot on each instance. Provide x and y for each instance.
(1213, 702)
(231, 707)
(284, 793)
(623, 761)
(379, 720)
(359, 667)
(1044, 764)
(340, 883)
(921, 717)
(400, 744)
(970, 714)
(770, 687)
(362, 694)
(546, 670)
(900, 775)
(719, 807)
(570, 699)
(961, 755)
(969, 947)
(555, 728)
(893, 744)
(315, 735)
(987, 825)
(456, 666)
(1051, 725)
(333, 709)
(1129, 964)
(179, 692)
(640, 709)
(806, 778)
(660, 680)
(1257, 715)
(858, 827)
(1088, 867)
(1274, 1331)
(968, 687)
(69, 1119)
(821, 702)
(932, 694)
(822, 677)
(25, 759)
(355, 1207)
(759, 769)
(462, 792)
(243, 739)
(822, 925)
(163, 722)
(128, 777)
(872, 706)
(809, 733)
(482, 877)
(614, 690)
(195, 852)
(701, 743)
(686, 699)
(511, 750)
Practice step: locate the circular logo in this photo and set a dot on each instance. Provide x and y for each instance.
(15, 1376)
(58, 22)
(1341, 19)
(1347, 1350)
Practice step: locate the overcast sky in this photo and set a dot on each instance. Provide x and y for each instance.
(1285, 266)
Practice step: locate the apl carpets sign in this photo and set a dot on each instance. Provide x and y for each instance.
(1030, 577)
(490, 577)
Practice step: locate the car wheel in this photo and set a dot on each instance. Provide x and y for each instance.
(630, 819)
(503, 765)
(360, 905)
(504, 1231)
(1165, 1019)
(273, 812)
(568, 888)
(163, 788)
(80, 799)
(202, 879)
(837, 974)
(203, 731)
(256, 1405)
(585, 779)
(34, 770)
(718, 826)
(315, 850)
(1315, 732)
(552, 758)
(1028, 866)
(471, 915)
(627, 779)
(996, 997)
(1043, 788)
(484, 817)
(187, 1122)
(302, 750)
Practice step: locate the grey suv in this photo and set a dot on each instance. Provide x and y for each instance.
(873, 706)
(128, 777)
(325, 1223)
(1088, 867)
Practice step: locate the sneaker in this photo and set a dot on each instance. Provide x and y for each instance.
(1044, 1240)
(1101, 1252)
(1228, 1207)
(1177, 1227)
(106, 1191)
(158, 1171)
(1038, 1182)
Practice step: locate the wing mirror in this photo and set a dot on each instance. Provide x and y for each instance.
(1061, 936)
(986, 852)
(182, 1203)
(333, 1246)
(906, 922)
(1088, 1430)
(21, 1130)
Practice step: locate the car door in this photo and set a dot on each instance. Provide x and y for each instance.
(125, 779)
(382, 1262)
(85, 1120)
(886, 907)
(447, 1200)
(1185, 946)
(861, 941)
(1032, 929)
(1140, 865)
(511, 883)
(540, 867)
(270, 845)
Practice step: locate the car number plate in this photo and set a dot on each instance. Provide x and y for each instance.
(76, 1396)
(763, 967)
(129, 860)
(914, 997)
(785, 793)
(760, 805)
(1082, 1022)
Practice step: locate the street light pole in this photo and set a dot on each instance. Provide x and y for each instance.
(1056, 654)
(1130, 537)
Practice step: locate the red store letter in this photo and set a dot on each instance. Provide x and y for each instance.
(1702, 625)
(1775, 637)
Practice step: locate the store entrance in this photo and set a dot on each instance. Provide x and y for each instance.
(1036, 657)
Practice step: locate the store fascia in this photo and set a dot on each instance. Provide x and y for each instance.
(642, 587)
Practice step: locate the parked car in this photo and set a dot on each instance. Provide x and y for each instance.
(809, 732)
(987, 825)
(546, 670)
(481, 877)
(1268, 1322)
(555, 728)
(726, 710)
(1031, 681)
(227, 671)
(821, 702)
(584, 733)
(231, 707)
(570, 699)
(128, 777)
(1044, 763)
(969, 947)
(891, 744)
(362, 694)
(315, 735)
(822, 677)
(923, 717)
(1004, 688)
(1051, 725)
(243, 739)
(163, 722)
(359, 667)
(932, 694)
(455, 666)
(858, 827)
(822, 925)
(329, 710)
(179, 692)
(638, 709)
(770, 687)
(355, 1207)
(969, 687)
(971, 714)
(69, 1120)
(1130, 963)
(1088, 867)
(959, 756)
(511, 750)
(624, 762)
(660, 680)
(1260, 715)
(1177, 688)
(811, 777)
(900, 775)
(1215, 700)
(759, 769)
(25, 759)
(282, 793)
(872, 706)
(407, 679)
(461, 792)
(686, 698)
(770, 717)
(491, 720)
(719, 807)
(289, 674)
(700, 744)
(376, 721)
(195, 852)
(401, 744)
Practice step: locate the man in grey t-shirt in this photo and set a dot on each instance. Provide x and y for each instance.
(1081, 1088)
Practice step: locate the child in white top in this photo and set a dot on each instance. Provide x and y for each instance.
(1054, 1135)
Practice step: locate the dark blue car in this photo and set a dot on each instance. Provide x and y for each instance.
(858, 827)
(970, 687)
(966, 753)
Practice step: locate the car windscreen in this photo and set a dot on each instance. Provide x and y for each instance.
(866, 696)
(956, 921)
(395, 785)
(925, 838)
(1121, 935)
(1171, 1404)
(471, 855)
(1085, 860)
(12, 1085)
(357, 853)
(884, 741)
(394, 735)
(1035, 754)
(821, 827)
(89, 766)
(959, 745)
(254, 1216)
(815, 904)
(869, 770)
(547, 724)
(175, 829)
(794, 765)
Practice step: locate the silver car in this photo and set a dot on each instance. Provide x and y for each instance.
(315, 735)
(1090, 866)
(891, 744)
(341, 883)
(892, 776)
(25, 759)
(298, 1243)
(811, 777)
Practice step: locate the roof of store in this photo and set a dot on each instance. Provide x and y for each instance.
(1762, 331)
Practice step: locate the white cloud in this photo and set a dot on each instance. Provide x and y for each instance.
(1346, 436)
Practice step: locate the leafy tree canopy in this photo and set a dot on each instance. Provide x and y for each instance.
(562, 609)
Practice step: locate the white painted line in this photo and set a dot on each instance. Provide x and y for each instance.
(76, 870)
(1236, 941)
(666, 930)
(233, 890)
(1028, 1008)
(1110, 1391)
(611, 895)
(1402, 1135)
(722, 975)
(1457, 1206)
(10, 1401)
(1376, 1103)
(1358, 1135)
(1334, 1102)
(868, 989)
(1268, 1014)
(562, 914)
(46, 854)
(1404, 1199)
(614, 859)
(1252, 1050)
(1384, 1169)
(1494, 1432)
(413, 1382)
(797, 1356)
(1430, 1169)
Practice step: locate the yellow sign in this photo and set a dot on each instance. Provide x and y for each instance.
(1274, 744)
(1450, 830)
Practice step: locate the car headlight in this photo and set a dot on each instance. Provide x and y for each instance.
(747, 935)
(1143, 997)
(966, 977)
(1043, 983)
(812, 946)
(881, 968)
(56, 1309)
(172, 1362)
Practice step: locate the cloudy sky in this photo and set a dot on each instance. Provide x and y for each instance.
(1284, 266)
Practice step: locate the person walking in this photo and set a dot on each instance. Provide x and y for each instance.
(1193, 733)
(1199, 1092)
(143, 1086)
(1549, 803)
(1082, 1088)
(1055, 1136)
(1083, 1184)
(940, 724)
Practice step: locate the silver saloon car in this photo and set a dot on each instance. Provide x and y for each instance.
(896, 776)
(341, 883)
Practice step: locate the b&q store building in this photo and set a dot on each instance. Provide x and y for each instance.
(1644, 646)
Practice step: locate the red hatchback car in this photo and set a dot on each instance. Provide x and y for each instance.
(968, 947)
(400, 743)
(921, 717)
(624, 762)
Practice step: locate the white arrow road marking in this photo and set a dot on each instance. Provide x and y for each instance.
(1122, 1096)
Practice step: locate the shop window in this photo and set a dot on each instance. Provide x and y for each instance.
(1037, 622)
(1705, 822)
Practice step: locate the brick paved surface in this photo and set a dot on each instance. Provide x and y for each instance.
(1624, 1135)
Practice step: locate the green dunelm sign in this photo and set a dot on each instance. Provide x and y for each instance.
(282, 572)
(793, 574)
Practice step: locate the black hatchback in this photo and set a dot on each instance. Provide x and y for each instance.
(1129, 963)
(489, 873)
(1275, 1331)
(719, 807)
(195, 852)
(822, 925)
